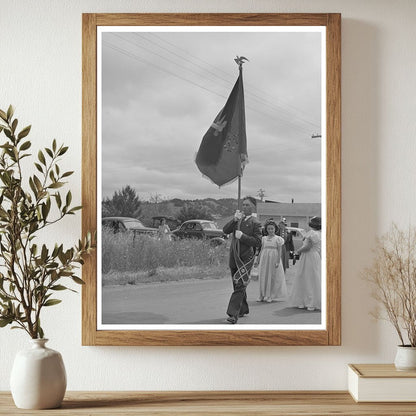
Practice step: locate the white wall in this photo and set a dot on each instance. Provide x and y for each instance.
(40, 73)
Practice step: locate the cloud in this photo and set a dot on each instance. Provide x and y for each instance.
(161, 92)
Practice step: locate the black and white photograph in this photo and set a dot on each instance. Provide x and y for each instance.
(211, 167)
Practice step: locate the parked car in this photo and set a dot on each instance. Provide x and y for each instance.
(126, 224)
(201, 230)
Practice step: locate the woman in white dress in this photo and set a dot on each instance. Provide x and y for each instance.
(270, 268)
(306, 291)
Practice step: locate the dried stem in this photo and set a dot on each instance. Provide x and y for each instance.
(393, 277)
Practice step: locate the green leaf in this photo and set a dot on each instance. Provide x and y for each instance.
(58, 199)
(55, 251)
(62, 258)
(39, 167)
(25, 145)
(14, 125)
(56, 185)
(77, 208)
(41, 158)
(33, 187)
(5, 321)
(45, 211)
(49, 152)
(59, 287)
(40, 332)
(37, 183)
(24, 132)
(54, 145)
(44, 253)
(51, 302)
(8, 133)
(67, 174)
(68, 198)
(63, 150)
(10, 112)
(76, 279)
(3, 115)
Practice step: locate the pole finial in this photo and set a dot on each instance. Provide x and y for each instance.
(239, 60)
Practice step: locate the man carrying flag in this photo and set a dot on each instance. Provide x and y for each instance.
(246, 230)
(221, 157)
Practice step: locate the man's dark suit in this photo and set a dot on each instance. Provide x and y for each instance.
(251, 238)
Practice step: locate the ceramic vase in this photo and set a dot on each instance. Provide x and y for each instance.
(38, 377)
(405, 358)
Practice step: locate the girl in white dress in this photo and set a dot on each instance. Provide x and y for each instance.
(271, 274)
(163, 231)
(306, 291)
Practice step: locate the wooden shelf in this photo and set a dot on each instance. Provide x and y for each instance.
(318, 403)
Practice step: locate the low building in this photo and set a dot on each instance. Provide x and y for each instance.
(296, 214)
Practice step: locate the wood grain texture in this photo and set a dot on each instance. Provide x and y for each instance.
(266, 403)
(212, 338)
(212, 19)
(333, 163)
(89, 173)
(330, 336)
(380, 371)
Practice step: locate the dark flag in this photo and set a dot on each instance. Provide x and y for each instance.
(223, 150)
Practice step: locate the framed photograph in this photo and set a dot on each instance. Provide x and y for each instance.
(211, 173)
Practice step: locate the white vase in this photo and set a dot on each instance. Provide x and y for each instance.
(38, 378)
(405, 358)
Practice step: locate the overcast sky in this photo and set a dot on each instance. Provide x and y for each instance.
(161, 92)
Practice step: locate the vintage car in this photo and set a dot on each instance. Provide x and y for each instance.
(126, 224)
(201, 230)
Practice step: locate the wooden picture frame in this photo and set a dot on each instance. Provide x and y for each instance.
(331, 335)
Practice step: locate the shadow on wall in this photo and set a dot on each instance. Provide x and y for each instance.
(360, 180)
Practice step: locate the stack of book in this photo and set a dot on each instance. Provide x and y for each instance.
(381, 383)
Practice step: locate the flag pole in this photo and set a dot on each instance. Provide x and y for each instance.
(239, 193)
(239, 60)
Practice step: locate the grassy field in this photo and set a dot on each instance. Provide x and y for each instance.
(146, 259)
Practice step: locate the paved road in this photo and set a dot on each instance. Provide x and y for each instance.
(194, 302)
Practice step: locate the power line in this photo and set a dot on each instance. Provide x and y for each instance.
(131, 55)
(182, 57)
(193, 56)
(288, 116)
(249, 85)
(146, 62)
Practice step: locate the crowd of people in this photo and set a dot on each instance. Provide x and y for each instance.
(268, 249)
